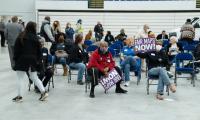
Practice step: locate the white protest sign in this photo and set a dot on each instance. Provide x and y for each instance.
(145, 44)
(111, 79)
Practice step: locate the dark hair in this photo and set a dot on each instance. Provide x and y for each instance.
(188, 20)
(108, 32)
(47, 18)
(78, 38)
(30, 28)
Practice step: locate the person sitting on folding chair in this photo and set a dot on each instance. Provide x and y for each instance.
(60, 52)
(78, 57)
(100, 63)
(172, 49)
(157, 61)
(128, 60)
(44, 68)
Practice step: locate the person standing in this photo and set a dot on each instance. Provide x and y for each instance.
(79, 27)
(98, 29)
(2, 29)
(187, 32)
(11, 32)
(27, 54)
(46, 31)
(69, 32)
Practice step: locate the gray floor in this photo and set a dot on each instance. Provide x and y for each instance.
(70, 102)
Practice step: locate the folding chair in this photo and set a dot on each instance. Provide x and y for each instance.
(112, 51)
(151, 79)
(88, 80)
(117, 48)
(189, 48)
(88, 42)
(180, 67)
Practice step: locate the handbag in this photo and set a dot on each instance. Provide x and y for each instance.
(61, 54)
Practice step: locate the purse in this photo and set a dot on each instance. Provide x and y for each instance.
(61, 54)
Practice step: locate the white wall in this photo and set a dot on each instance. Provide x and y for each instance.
(131, 22)
(118, 5)
(23, 8)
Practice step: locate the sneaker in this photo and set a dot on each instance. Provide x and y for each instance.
(120, 90)
(159, 97)
(126, 84)
(172, 88)
(92, 95)
(80, 82)
(17, 99)
(43, 96)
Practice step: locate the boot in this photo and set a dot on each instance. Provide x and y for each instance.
(119, 89)
(92, 92)
(65, 70)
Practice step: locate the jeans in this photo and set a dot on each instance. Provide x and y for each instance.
(59, 60)
(81, 69)
(163, 78)
(127, 65)
(33, 76)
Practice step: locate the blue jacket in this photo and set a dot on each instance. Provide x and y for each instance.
(69, 33)
(128, 51)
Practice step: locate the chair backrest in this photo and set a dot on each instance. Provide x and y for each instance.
(189, 48)
(119, 42)
(116, 47)
(91, 48)
(165, 42)
(88, 42)
(184, 56)
(112, 51)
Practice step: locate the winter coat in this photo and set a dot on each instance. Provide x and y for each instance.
(27, 53)
(187, 31)
(101, 61)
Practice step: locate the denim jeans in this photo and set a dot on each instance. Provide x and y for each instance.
(81, 69)
(163, 78)
(59, 60)
(127, 65)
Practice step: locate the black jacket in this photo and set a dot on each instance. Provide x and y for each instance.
(27, 53)
(109, 39)
(77, 55)
(155, 59)
(160, 37)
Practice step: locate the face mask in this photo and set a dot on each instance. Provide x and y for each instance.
(103, 50)
(158, 47)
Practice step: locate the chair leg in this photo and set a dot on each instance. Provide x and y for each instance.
(147, 86)
(69, 77)
(167, 90)
(49, 85)
(29, 87)
(52, 82)
(138, 77)
(175, 82)
(193, 79)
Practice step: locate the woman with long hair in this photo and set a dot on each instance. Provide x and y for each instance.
(26, 56)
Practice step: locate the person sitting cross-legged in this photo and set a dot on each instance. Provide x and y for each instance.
(157, 60)
(100, 63)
